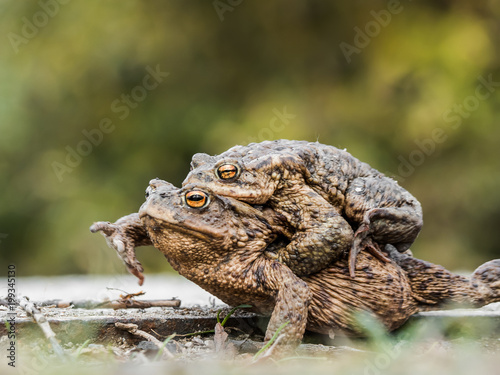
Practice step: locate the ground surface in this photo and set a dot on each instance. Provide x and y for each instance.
(457, 341)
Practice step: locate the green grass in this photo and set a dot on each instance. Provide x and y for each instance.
(428, 348)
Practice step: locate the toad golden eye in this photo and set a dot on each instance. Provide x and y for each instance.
(196, 199)
(227, 171)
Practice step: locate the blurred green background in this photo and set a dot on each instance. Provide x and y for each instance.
(412, 88)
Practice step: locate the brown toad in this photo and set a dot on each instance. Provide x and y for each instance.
(220, 244)
(321, 191)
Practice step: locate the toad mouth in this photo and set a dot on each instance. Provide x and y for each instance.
(200, 231)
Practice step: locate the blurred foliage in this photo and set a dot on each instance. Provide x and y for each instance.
(422, 349)
(228, 77)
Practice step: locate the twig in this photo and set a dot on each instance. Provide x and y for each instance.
(123, 303)
(42, 322)
(140, 304)
(134, 330)
(231, 312)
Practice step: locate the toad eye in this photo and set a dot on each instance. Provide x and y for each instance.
(196, 199)
(149, 190)
(227, 171)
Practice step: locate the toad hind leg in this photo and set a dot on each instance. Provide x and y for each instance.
(386, 214)
(433, 285)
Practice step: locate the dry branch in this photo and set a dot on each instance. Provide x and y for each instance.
(42, 322)
(116, 304)
(134, 330)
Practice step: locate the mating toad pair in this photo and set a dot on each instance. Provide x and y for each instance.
(332, 202)
(270, 225)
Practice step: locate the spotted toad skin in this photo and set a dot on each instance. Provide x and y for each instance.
(335, 203)
(222, 245)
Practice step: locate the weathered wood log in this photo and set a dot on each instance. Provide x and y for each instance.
(123, 303)
(98, 325)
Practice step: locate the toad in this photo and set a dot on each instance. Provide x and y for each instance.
(223, 245)
(322, 192)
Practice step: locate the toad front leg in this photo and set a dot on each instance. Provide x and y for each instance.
(322, 234)
(292, 302)
(124, 236)
(268, 286)
(387, 214)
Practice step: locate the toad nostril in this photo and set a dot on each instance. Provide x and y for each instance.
(163, 195)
